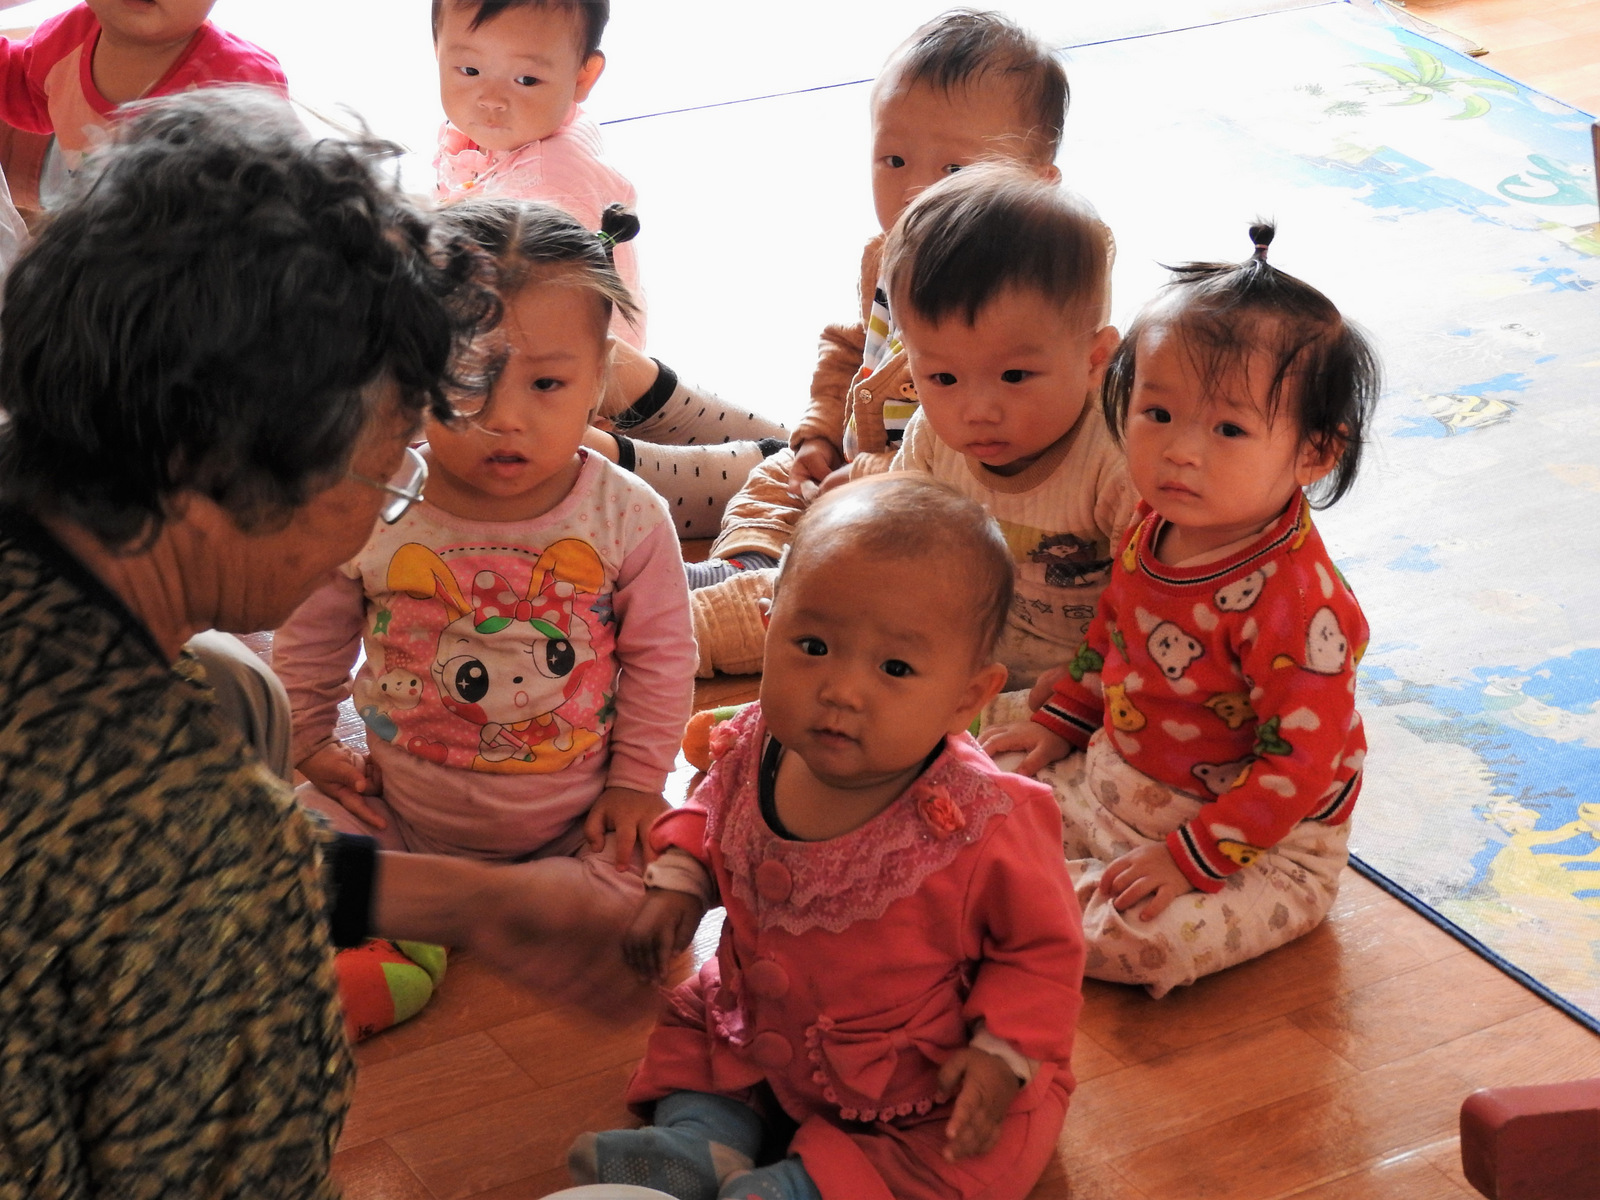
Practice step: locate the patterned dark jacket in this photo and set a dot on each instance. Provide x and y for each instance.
(169, 1021)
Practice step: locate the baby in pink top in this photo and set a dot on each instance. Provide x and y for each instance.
(511, 79)
(899, 975)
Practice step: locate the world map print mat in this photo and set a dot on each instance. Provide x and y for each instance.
(1451, 212)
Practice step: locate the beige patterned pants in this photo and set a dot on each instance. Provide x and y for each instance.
(1108, 808)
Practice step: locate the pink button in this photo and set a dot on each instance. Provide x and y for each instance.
(767, 980)
(773, 882)
(771, 1050)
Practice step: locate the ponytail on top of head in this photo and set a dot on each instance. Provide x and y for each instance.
(618, 224)
(1325, 372)
(525, 241)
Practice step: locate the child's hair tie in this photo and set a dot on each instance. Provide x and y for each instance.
(1261, 234)
(617, 225)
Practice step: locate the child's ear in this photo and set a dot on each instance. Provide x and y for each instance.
(1317, 457)
(588, 74)
(1106, 341)
(1050, 174)
(983, 687)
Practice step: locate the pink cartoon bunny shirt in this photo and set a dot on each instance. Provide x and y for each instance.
(508, 661)
(513, 670)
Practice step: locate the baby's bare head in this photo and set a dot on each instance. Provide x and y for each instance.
(906, 523)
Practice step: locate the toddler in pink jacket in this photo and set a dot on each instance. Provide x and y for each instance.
(899, 971)
(512, 78)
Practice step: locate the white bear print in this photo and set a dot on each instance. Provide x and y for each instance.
(1326, 646)
(1241, 593)
(1325, 580)
(1172, 649)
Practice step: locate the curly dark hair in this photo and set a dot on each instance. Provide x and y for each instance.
(210, 313)
(1324, 369)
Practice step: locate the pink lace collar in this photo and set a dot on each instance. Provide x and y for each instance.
(854, 877)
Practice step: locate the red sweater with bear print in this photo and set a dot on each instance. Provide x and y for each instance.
(1234, 681)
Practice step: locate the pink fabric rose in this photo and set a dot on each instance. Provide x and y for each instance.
(942, 814)
(723, 737)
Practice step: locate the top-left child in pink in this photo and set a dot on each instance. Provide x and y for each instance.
(513, 76)
(69, 77)
(512, 79)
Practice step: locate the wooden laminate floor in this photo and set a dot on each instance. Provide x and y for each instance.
(1552, 44)
(1332, 1069)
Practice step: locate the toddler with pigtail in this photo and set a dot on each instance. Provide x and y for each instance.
(513, 75)
(1215, 748)
(529, 659)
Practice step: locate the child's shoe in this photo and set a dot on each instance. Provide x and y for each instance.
(698, 1141)
(700, 738)
(674, 1161)
(382, 983)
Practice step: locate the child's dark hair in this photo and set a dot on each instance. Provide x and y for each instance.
(990, 228)
(1228, 311)
(907, 515)
(526, 241)
(965, 44)
(523, 242)
(593, 16)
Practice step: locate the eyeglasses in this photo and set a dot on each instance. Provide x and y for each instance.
(404, 487)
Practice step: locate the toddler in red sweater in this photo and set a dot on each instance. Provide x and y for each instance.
(1214, 696)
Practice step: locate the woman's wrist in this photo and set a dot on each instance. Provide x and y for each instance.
(430, 897)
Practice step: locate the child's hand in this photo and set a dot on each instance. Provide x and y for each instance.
(814, 460)
(630, 814)
(342, 774)
(836, 478)
(1045, 686)
(984, 1088)
(1040, 746)
(661, 929)
(1147, 871)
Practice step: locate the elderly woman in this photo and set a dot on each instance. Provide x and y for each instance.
(211, 365)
